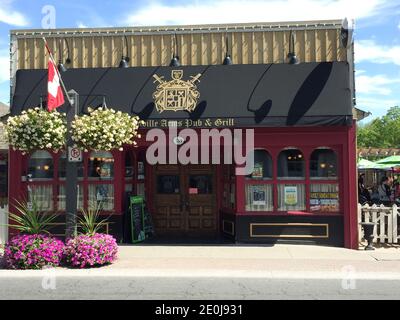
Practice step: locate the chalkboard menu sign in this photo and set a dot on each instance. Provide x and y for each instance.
(137, 219)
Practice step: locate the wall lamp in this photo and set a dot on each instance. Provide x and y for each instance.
(124, 63)
(292, 55)
(228, 59)
(61, 67)
(175, 58)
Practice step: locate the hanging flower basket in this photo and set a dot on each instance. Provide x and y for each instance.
(104, 129)
(37, 129)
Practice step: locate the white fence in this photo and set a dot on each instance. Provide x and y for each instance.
(386, 219)
(3, 222)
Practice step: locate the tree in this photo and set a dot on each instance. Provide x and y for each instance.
(383, 132)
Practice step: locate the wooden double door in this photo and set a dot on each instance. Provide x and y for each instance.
(185, 203)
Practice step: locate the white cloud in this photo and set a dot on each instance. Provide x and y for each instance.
(80, 24)
(10, 16)
(378, 107)
(369, 50)
(224, 11)
(378, 84)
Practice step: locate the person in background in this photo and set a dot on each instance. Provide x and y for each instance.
(363, 193)
(375, 195)
(384, 191)
(396, 190)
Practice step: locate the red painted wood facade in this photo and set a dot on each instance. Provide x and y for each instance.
(342, 140)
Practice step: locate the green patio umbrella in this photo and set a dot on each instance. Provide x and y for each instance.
(392, 161)
(364, 164)
(367, 164)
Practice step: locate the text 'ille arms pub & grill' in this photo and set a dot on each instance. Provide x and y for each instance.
(292, 83)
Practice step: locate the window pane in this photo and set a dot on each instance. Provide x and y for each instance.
(291, 197)
(141, 190)
(61, 197)
(323, 164)
(167, 184)
(42, 196)
(324, 197)
(102, 194)
(129, 165)
(140, 170)
(40, 166)
(259, 197)
(291, 164)
(62, 165)
(200, 184)
(262, 165)
(101, 166)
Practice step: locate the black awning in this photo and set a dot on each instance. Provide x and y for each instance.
(308, 94)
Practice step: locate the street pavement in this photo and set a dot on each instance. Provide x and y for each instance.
(219, 273)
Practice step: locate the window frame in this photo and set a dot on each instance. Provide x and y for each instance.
(307, 181)
(256, 181)
(57, 181)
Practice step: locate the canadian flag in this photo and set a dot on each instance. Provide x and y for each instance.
(55, 96)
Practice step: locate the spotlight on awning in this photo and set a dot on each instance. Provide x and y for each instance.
(292, 58)
(228, 59)
(174, 61)
(124, 63)
(61, 67)
(175, 58)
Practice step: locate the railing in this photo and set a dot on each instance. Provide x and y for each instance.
(386, 219)
(3, 224)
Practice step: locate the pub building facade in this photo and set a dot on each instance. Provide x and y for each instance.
(228, 77)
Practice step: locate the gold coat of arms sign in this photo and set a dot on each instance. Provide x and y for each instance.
(176, 94)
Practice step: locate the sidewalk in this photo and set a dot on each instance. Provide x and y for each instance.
(294, 261)
(218, 272)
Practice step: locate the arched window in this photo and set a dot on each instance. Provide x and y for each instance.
(323, 164)
(259, 195)
(291, 164)
(62, 167)
(40, 166)
(324, 195)
(101, 166)
(262, 165)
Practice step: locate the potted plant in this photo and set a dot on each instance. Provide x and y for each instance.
(37, 129)
(105, 129)
(33, 247)
(91, 248)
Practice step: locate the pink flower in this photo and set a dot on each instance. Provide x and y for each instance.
(33, 251)
(87, 251)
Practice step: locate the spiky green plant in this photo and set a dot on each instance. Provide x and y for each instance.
(89, 222)
(30, 219)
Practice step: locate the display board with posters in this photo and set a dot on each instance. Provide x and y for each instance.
(324, 198)
(258, 196)
(290, 194)
(258, 171)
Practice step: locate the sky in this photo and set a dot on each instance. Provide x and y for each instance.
(376, 29)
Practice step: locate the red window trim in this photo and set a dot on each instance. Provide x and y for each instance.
(307, 181)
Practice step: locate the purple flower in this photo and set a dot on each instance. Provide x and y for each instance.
(33, 251)
(91, 250)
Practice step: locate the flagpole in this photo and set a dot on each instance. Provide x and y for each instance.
(71, 176)
(58, 73)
